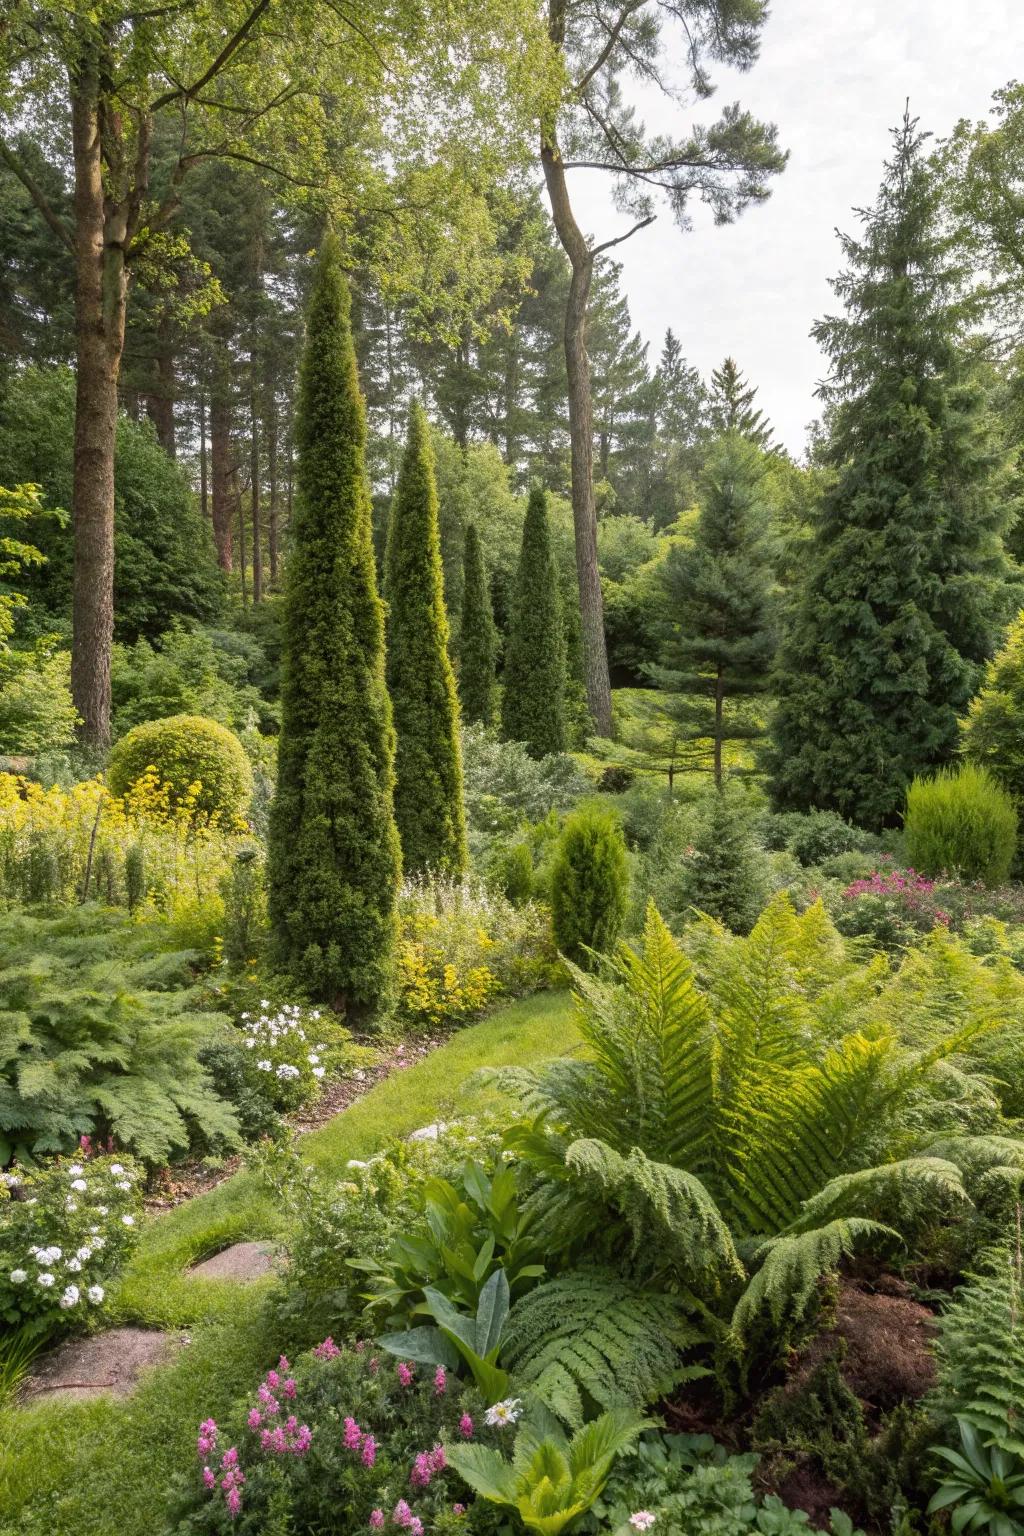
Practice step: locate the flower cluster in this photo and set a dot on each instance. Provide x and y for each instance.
(292, 1051)
(891, 906)
(232, 1479)
(65, 1230)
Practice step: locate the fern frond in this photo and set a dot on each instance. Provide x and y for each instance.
(587, 1338)
(895, 1192)
(979, 1351)
(790, 1268)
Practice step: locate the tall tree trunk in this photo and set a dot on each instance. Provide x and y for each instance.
(719, 698)
(222, 469)
(101, 291)
(204, 492)
(254, 480)
(511, 399)
(240, 509)
(581, 437)
(160, 403)
(272, 429)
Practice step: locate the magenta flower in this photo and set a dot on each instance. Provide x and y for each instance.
(369, 1451)
(255, 1418)
(415, 1526)
(353, 1435)
(283, 1365)
(422, 1471)
(289, 1387)
(405, 1373)
(437, 1459)
(440, 1381)
(230, 1457)
(208, 1478)
(466, 1427)
(273, 1379)
(376, 1519)
(458, 1509)
(234, 1501)
(328, 1350)
(402, 1514)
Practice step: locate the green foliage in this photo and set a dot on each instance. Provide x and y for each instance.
(186, 750)
(588, 1339)
(53, 1271)
(477, 637)
(551, 1480)
(459, 1337)
(334, 855)
(814, 837)
(992, 735)
(37, 713)
(245, 906)
(589, 882)
(101, 1037)
(163, 547)
(904, 581)
(534, 679)
(505, 785)
(429, 812)
(725, 874)
(188, 672)
(961, 822)
(980, 1351)
(983, 1486)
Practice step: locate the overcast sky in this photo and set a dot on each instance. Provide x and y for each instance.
(833, 74)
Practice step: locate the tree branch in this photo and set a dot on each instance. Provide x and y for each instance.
(612, 39)
(35, 191)
(607, 244)
(223, 58)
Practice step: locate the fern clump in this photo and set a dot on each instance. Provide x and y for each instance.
(101, 1037)
(980, 1350)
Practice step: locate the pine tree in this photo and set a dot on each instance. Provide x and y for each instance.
(718, 602)
(732, 406)
(905, 575)
(334, 860)
(428, 759)
(725, 872)
(533, 699)
(477, 636)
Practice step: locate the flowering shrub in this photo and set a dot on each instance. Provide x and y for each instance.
(292, 1050)
(462, 945)
(65, 1231)
(892, 907)
(138, 851)
(341, 1442)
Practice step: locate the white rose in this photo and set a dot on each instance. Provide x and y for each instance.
(18, 1276)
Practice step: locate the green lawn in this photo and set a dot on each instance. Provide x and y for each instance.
(101, 1468)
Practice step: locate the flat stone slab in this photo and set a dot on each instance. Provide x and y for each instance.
(102, 1362)
(241, 1262)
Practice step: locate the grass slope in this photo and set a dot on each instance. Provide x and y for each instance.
(92, 1469)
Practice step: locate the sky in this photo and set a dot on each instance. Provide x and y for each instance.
(834, 75)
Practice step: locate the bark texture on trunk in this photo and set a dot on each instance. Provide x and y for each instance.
(272, 539)
(254, 480)
(204, 491)
(719, 699)
(101, 291)
(222, 470)
(581, 436)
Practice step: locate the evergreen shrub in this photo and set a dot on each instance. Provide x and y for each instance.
(186, 750)
(589, 883)
(961, 821)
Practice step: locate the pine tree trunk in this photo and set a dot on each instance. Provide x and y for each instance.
(160, 404)
(719, 698)
(101, 291)
(272, 537)
(240, 509)
(581, 436)
(204, 492)
(221, 474)
(254, 480)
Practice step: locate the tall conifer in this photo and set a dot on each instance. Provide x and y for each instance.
(477, 635)
(905, 580)
(334, 861)
(533, 699)
(428, 759)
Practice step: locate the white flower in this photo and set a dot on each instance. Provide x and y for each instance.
(95, 1293)
(85, 1252)
(319, 1071)
(642, 1520)
(74, 1265)
(127, 1221)
(70, 1297)
(53, 1254)
(315, 1014)
(80, 1185)
(102, 1209)
(35, 1250)
(18, 1276)
(94, 1230)
(264, 1002)
(45, 1280)
(116, 1168)
(313, 1059)
(250, 1044)
(354, 1162)
(99, 1242)
(75, 1170)
(284, 1071)
(245, 1015)
(70, 1205)
(265, 1066)
(123, 1184)
(504, 1413)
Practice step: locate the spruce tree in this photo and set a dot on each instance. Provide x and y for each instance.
(718, 603)
(334, 860)
(428, 758)
(904, 584)
(477, 636)
(533, 697)
(732, 406)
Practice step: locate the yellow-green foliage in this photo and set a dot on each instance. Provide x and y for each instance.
(961, 823)
(198, 759)
(139, 850)
(993, 732)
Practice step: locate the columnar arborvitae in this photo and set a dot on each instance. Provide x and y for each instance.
(428, 759)
(477, 635)
(334, 860)
(533, 699)
(904, 584)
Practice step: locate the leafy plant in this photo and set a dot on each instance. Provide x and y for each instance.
(984, 1489)
(589, 883)
(185, 751)
(459, 1336)
(980, 1351)
(962, 822)
(551, 1480)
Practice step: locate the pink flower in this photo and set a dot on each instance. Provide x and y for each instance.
(437, 1459)
(374, 1366)
(328, 1350)
(369, 1451)
(273, 1379)
(230, 1457)
(405, 1373)
(283, 1365)
(422, 1471)
(234, 1499)
(303, 1440)
(289, 1387)
(255, 1418)
(458, 1509)
(208, 1478)
(415, 1526)
(273, 1440)
(376, 1519)
(402, 1514)
(466, 1427)
(207, 1440)
(440, 1381)
(353, 1435)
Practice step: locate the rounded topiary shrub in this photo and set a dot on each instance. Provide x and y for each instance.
(961, 822)
(589, 883)
(186, 750)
